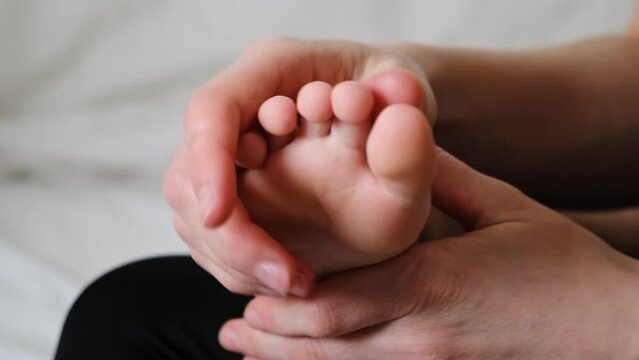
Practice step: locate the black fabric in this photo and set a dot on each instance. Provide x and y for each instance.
(163, 308)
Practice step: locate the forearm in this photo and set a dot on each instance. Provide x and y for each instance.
(559, 123)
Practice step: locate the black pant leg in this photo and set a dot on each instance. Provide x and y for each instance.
(163, 308)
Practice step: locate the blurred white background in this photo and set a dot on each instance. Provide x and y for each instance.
(91, 101)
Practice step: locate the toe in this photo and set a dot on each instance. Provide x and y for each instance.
(352, 102)
(314, 106)
(401, 151)
(314, 101)
(395, 86)
(278, 115)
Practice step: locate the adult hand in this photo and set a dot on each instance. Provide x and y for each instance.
(522, 283)
(220, 125)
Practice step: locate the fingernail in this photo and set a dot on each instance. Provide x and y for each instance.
(301, 286)
(205, 202)
(272, 275)
(229, 340)
(253, 319)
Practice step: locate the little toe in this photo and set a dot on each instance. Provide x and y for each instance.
(314, 106)
(278, 115)
(352, 104)
(401, 151)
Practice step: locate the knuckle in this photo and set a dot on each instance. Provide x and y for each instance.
(181, 228)
(177, 181)
(442, 266)
(267, 44)
(322, 319)
(193, 107)
(197, 113)
(231, 283)
(171, 184)
(511, 189)
(442, 347)
(432, 344)
(199, 121)
(201, 261)
(308, 349)
(198, 100)
(234, 286)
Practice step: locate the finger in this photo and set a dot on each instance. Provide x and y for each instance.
(177, 184)
(474, 199)
(344, 303)
(214, 120)
(245, 247)
(237, 336)
(242, 255)
(212, 131)
(228, 105)
(251, 150)
(237, 284)
(230, 278)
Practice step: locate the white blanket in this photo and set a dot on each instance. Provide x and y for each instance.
(91, 98)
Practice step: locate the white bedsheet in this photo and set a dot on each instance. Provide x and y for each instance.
(91, 97)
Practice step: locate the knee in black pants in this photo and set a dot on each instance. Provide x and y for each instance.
(162, 308)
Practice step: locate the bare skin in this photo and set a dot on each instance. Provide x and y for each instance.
(346, 187)
(495, 109)
(480, 120)
(201, 182)
(523, 283)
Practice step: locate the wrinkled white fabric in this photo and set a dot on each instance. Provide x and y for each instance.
(91, 100)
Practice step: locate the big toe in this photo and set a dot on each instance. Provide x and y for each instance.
(401, 151)
(395, 86)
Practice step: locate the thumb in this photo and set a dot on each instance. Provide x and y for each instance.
(343, 303)
(474, 199)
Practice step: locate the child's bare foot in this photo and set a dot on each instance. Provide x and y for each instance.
(347, 187)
